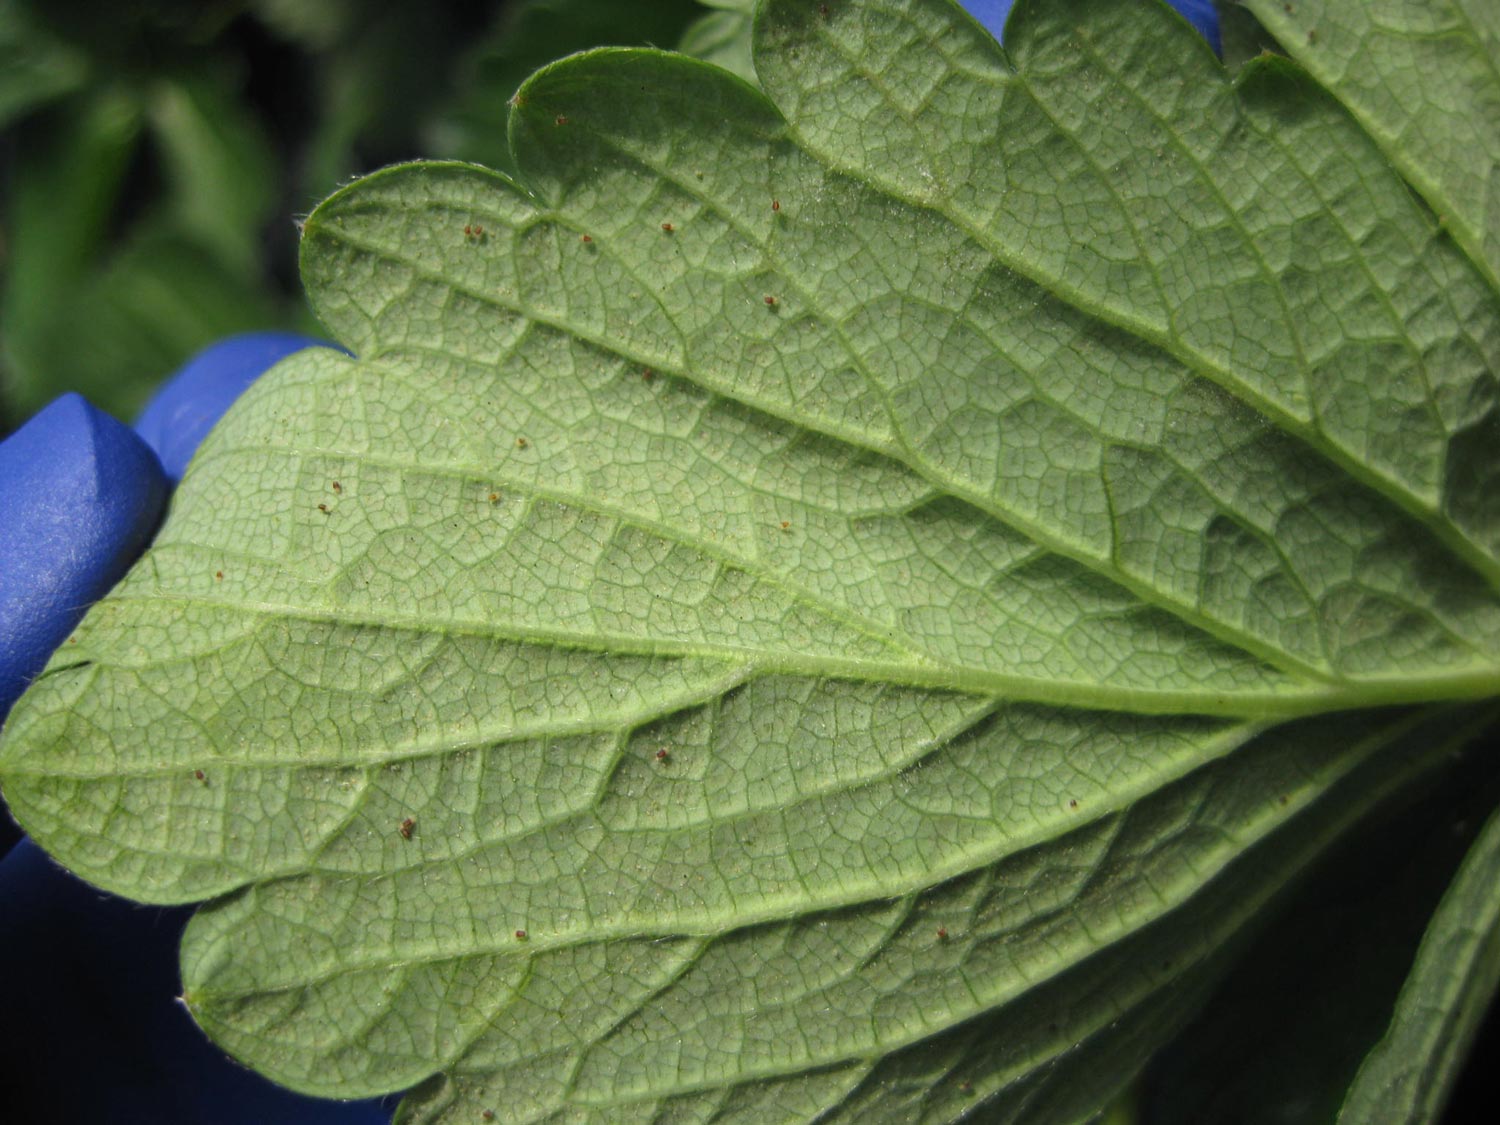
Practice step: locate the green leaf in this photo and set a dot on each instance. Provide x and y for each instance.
(1421, 76)
(35, 67)
(529, 34)
(1283, 1036)
(1408, 1074)
(220, 169)
(723, 37)
(849, 602)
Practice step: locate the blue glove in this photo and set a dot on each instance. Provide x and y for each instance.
(95, 1032)
(1200, 13)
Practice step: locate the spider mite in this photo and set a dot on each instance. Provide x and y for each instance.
(942, 932)
(337, 488)
(521, 935)
(584, 238)
(560, 120)
(521, 443)
(218, 576)
(775, 205)
(199, 774)
(662, 755)
(647, 374)
(323, 508)
(668, 227)
(406, 828)
(488, 1115)
(771, 301)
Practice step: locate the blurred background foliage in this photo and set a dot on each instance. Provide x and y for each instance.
(155, 154)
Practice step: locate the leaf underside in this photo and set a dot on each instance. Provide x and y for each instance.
(844, 603)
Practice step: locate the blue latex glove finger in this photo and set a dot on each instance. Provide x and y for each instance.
(1200, 13)
(103, 1037)
(181, 413)
(80, 496)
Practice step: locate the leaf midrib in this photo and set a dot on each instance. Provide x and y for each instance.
(899, 453)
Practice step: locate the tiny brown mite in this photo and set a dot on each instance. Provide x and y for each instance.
(468, 232)
(966, 1087)
(771, 301)
(647, 374)
(584, 238)
(520, 935)
(775, 205)
(668, 227)
(199, 775)
(521, 443)
(942, 933)
(488, 1115)
(1073, 804)
(218, 576)
(337, 487)
(323, 508)
(494, 497)
(561, 120)
(478, 232)
(406, 828)
(662, 755)
(786, 525)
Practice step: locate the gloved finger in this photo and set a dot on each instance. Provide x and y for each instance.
(80, 496)
(185, 408)
(1200, 13)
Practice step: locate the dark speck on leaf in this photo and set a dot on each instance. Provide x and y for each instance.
(199, 775)
(521, 935)
(561, 120)
(406, 828)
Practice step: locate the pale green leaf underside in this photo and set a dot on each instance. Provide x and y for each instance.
(1422, 77)
(978, 493)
